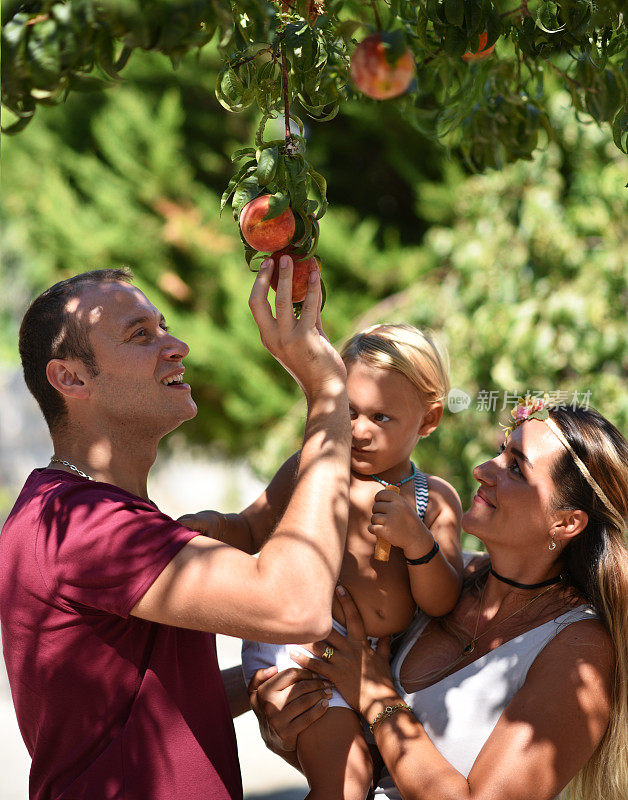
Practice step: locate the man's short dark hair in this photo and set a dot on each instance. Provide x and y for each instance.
(49, 331)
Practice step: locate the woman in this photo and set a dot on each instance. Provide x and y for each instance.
(522, 688)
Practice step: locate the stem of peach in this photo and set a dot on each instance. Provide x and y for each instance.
(378, 20)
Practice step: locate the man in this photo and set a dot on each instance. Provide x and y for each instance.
(106, 603)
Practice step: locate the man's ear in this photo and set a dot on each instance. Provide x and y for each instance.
(431, 420)
(65, 377)
(569, 524)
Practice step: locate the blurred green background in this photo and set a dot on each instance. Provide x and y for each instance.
(523, 273)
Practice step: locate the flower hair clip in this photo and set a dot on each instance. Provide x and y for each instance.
(529, 407)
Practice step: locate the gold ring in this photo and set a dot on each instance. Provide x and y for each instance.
(329, 651)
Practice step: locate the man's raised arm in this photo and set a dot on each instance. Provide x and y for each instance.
(285, 594)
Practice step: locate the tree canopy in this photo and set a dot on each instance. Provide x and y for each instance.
(521, 272)
(298, 53)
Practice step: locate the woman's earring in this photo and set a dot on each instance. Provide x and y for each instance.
(552, 544)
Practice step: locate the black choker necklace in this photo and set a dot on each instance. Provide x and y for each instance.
(548, 582)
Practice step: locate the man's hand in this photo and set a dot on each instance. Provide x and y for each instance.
(285, 703)
(210, 523)
(299, 345)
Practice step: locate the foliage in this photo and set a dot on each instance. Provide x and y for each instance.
(494, 110)
(522, 272)
(523, 275)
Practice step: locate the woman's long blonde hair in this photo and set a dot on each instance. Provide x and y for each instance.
(597, 563)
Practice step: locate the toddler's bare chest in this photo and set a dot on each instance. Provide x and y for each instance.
(381, 589)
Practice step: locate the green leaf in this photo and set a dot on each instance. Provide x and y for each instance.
(267, 165)
(421, 29)
(319, 184)
(395, 45)
(620, 130)
(230, 90)
(80, 82)
(302, 233)
(247, 190)
(244, 170)
(297, 180)
(259, 133)
(277, 204)
(43, 55)
(22, 121)
(474, 15)
(13, 34)
(494, 29)
(241, 152)
(454, 12)
(546, 17)
(435, 11)
(250, 255)
(347, 28)
(454, 41)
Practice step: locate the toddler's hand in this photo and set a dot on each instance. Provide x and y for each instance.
(209, 523)
(394, 520)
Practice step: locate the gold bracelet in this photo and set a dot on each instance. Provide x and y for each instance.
(388, 711)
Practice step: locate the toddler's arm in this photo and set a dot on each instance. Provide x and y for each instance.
(435, 585)
(249, 529)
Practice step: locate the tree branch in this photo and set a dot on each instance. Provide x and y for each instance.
(290, 148)
(378, 20)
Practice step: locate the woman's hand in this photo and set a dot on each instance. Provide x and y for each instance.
(360, 674)
(285, 703)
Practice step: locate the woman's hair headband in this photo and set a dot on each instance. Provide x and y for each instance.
(530, 407)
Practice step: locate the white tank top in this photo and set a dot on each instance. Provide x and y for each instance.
(460, 711)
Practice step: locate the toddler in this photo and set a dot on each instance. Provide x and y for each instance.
(397, 382)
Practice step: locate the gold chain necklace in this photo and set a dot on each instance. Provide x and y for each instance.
(470, 646)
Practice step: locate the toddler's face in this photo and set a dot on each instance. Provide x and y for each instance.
(386, 415)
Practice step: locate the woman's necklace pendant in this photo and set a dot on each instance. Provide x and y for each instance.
(468, 648)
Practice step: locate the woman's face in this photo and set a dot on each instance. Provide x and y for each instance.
(512, 505)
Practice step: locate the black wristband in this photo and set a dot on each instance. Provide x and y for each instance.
(424, 559)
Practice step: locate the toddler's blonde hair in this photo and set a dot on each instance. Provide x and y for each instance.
(412, 352)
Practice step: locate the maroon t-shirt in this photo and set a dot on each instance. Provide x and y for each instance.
(109, 705)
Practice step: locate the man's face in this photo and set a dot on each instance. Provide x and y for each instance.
(137, 360)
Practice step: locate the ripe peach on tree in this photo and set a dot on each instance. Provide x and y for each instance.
(264, 232)
(382, 66)
(482, 52)
(300, 273)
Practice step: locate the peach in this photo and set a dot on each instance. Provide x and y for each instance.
(481, 53)
(266, 235)
(374, 75)
(300, 273)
